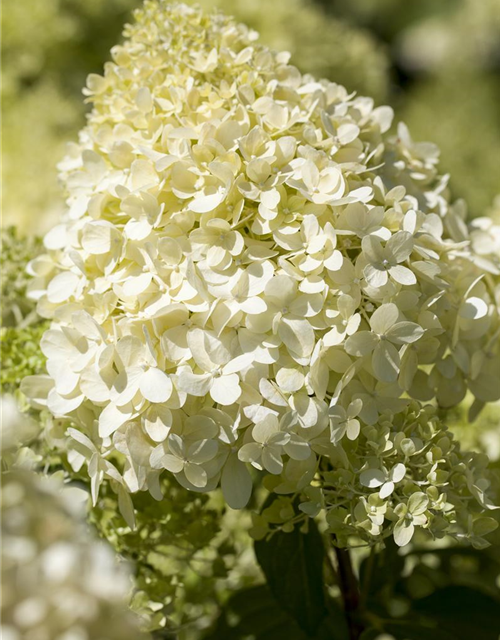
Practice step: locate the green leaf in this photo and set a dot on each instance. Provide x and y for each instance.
(403, 630)
(406, 630)
(464, 612)
(254, 612)
(385, 571)
(293, 566)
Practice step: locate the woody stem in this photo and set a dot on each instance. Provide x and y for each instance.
(349, 588)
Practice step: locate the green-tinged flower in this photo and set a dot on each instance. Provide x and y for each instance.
(409, 516)
(405, 475)
(320, 43)
(253, 271)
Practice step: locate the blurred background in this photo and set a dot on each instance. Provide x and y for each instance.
(437, 62)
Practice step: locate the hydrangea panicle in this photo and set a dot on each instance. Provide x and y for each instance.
(253, 271)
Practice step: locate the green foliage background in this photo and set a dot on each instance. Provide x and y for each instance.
(445, 64)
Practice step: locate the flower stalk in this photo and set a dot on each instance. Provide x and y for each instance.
(349, 588)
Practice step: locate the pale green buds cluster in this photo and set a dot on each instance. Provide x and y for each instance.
(403, 473)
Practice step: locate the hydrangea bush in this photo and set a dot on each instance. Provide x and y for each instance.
(253, 272)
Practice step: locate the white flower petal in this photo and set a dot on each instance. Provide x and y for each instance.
(236, 483)
(400, 245)
(97, 237)
(112, 418)
(361, 343)
(226, 389)
(271, 460)
(195, 474)
(386, 490)
(386, 362)
(290, 380)
(194, 384)
(473, 308)
(62, 287)
(63, 405)
(250, 452)
(157, 423)
(372, 478)
(402, 275)
(202, 451)
(383, 318)
(398, 472)
(265, 429)
(404, 333)
(403, 532)
(171, 463)
(376, 277)
(298, 336)
(155, 385)
(37, 389)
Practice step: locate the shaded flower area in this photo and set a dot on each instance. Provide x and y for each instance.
(253, 272)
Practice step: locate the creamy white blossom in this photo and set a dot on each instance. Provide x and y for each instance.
(247, 246)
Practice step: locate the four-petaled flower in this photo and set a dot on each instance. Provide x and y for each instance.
(386, 332)
(386, 261)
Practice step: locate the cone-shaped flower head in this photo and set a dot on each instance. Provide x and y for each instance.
(252, 271)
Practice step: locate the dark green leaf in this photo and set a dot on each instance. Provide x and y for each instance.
(464, 612)
(406, 630)
(254, 612)
(403, 630)
(386, 568)
(293, 566)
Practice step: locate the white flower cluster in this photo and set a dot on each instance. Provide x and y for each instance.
(250, 270)
(57, 583)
